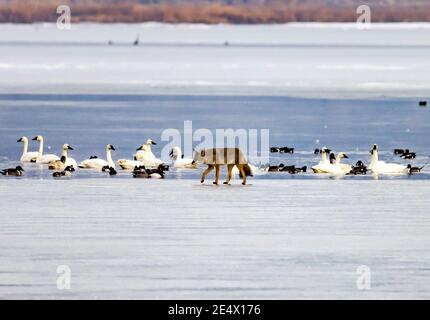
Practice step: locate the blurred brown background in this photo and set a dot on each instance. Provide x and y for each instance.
(215, 11)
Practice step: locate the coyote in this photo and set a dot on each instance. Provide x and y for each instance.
(217, 157)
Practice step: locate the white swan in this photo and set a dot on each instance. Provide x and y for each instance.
(322, 166)
(97, 163)
(69, 162)
(129, 164)
(44, 158)
(324, 152)
(334, 166)
(147, 157)
(346, 168)
(328, 168)
(145, 152)
(180, 161)
(381, 167)
(27, 156)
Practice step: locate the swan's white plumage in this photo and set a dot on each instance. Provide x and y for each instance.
(93, 164)
(70, 162)
(47, 158)
(44, 158)
(129, 164)
(381, 167)
(145, 151)
(147, 157)
(346, 168)
(27, 156)
(97, 163)
(180, 162)
(326, 167)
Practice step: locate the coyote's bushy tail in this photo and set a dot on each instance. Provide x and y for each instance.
(248, 171)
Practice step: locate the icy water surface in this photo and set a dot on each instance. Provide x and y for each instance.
(90, 122)
(178, 239)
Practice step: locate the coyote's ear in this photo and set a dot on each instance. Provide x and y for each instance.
(203, 153)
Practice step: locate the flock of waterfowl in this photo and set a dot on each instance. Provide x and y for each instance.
(332, 164)
(145, 164)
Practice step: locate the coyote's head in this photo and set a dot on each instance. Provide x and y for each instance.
(199, 156)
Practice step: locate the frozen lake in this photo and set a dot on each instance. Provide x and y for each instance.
(178, 239)
(318, 60)
(283, 236)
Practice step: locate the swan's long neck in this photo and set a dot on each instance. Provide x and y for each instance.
(178, 154)
(374, 157)
(109, 157)
(65, 153)
(41, 148)
(338, 160)
(148, 145)
(324, 157)
(25, 142)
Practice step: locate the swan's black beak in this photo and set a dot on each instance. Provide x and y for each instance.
(346, 157)
(34, 139)
(153, 143)
(20, 140)
(140, 148)
(70, 148)
(112, 148)
(171, 153)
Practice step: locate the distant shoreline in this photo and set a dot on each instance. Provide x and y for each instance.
(207, 13)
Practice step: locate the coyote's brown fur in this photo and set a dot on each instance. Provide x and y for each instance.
(217, 157)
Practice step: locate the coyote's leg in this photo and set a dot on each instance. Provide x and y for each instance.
(217, 168)
(242, 172)
(229, 170)
(207, 171)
